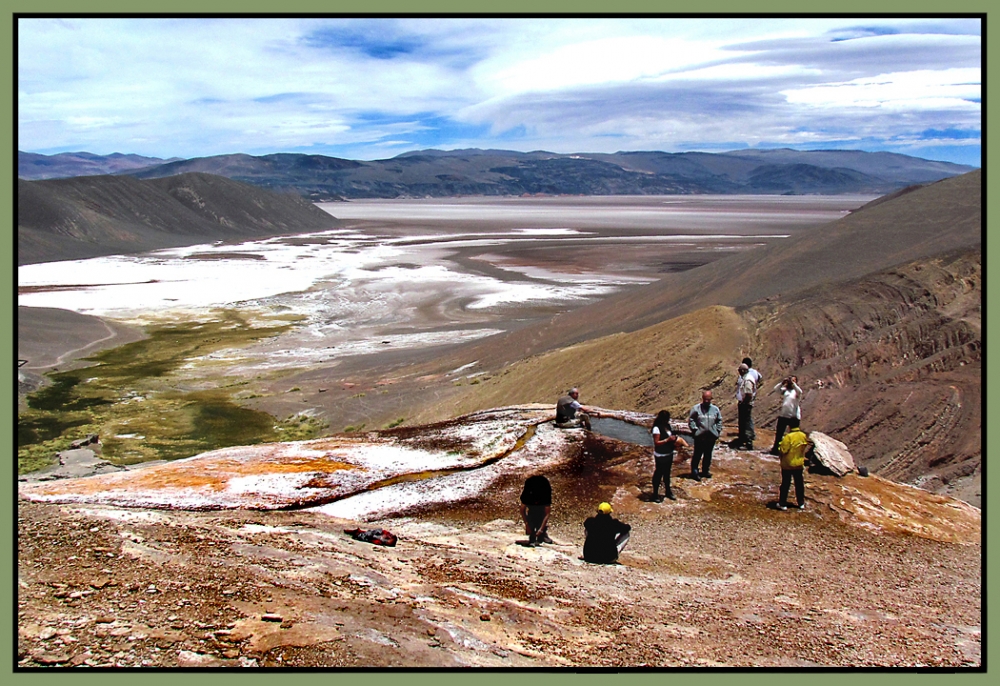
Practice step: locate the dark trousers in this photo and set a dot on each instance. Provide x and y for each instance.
(745, 418)
(703, 446)
(784, 424)
(662, 473)
(800, 487)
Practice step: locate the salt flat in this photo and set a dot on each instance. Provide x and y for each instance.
(422, 273)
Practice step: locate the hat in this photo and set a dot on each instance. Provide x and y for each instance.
(604, 508)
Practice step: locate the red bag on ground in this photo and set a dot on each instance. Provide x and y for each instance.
(374, 536)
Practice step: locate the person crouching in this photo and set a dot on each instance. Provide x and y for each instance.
(536, 506)
(606, 536)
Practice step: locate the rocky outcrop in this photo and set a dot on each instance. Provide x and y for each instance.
(855, 572)
(831, 454)
(75, 463)
(308, 473)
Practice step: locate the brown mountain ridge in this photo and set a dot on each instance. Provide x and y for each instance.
(89, 216)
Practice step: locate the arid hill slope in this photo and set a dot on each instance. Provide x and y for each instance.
(928, 221)
(890, 364)
(89, 216)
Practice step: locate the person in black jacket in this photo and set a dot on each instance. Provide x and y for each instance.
(536, 505)
(606, 536)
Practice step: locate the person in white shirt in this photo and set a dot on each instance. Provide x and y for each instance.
(790, 413)
(746, 391)
(754, 374)
(665, 442)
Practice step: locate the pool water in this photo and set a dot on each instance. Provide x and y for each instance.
(625, 431)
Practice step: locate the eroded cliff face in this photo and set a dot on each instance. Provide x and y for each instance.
(890, 364)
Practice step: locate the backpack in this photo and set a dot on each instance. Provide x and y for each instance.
(374, 536)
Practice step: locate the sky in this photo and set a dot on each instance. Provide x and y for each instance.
(375, 88)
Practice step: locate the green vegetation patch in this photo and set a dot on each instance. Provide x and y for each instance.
(143, 407)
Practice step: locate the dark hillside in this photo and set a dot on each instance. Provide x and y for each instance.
(103, 215)
(438, 173)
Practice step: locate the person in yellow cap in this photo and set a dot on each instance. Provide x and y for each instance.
(606, 536)
(793, 449)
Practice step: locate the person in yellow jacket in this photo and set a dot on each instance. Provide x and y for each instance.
(793, 449)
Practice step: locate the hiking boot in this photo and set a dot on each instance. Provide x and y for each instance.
(544, 538)
(695, 476)
(774, 451)
(657, 498)
(531, 540)
(706, 475)
(800, 506)
(782, 507)
(671, 496)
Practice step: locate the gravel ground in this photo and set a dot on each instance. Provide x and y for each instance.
(716, 578)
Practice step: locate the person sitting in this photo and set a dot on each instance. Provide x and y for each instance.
(570, 414)
(606, 536)
(536, 505)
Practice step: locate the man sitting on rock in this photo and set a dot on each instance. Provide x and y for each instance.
(570, 414)
(606, 536)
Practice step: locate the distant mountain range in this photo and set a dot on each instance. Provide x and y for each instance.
(33, 166)
(437, 173)
(88, 216)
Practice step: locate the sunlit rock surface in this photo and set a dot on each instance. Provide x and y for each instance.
(831, 453)
(364, 477)
(298, 474)
(870, 573)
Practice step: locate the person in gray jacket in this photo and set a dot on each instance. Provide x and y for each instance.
(705, 422)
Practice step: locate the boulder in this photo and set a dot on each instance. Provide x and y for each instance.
(74, 464)
(831, 453)
(91, 442)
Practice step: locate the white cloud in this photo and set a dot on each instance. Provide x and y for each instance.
(193, 87)
(911, 90)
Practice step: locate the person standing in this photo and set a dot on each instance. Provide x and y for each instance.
(790, 414)
(793, 449)
(536, 506)
(664, 443)
(754, 374)
(570, 414)
(606, 536)
(705, 422)
(746, 392)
